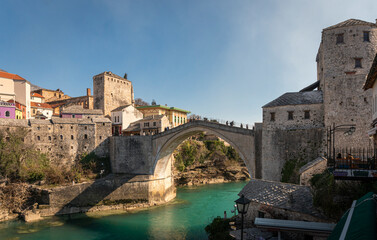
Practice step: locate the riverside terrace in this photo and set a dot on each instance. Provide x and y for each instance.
(354, 164)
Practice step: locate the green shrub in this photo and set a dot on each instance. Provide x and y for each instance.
(219, 229)
(290, 171)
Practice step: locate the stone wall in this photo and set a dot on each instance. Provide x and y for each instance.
(316, 166)
(285, 139)
(111, 91)
(280, 145)
(64, 140)
(258, 130)
(345, 102)
(111, 190)
(298, 122)
(131, 154)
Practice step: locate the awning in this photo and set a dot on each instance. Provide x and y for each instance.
(359, 222)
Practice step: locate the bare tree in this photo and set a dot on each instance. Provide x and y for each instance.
(140, 102)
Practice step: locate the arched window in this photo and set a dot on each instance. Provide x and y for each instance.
(7, 114)
(86, 136)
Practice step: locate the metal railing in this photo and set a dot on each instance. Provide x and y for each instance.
(354, 163)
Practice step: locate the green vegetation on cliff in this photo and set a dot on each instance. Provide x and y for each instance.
(197, 150)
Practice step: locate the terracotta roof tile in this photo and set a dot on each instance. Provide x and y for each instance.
(40, 105)
(34, 94)
(10, 76)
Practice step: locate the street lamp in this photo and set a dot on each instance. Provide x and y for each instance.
(242, 207)
(348, 129)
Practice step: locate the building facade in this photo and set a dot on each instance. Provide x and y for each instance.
(123, 116)
(7, 110)
(111, 91)
(176, 116)
(64, 140)
(295, 125)
(77, 111)
(52, 95)
(150, 125)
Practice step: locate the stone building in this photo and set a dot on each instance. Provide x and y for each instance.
(84, 101)
(52, 95)
(148, 126)
(111, 91)
(295, 124)
(371, 83)
(64, 140)
(279, 201)
(175, 115)
(77, 111)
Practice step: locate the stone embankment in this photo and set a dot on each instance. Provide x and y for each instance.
(114, 192)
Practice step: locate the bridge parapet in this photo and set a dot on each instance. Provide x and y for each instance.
(207, 124)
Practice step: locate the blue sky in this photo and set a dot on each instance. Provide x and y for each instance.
(217, 58)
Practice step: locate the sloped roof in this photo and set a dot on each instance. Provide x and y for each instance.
(134, 127)
(10, 76)
(120, 108)
(296, 98)
(34, 94)
(372, 75)
(351, 22)
(311, 164)
(39, 121)
(72, 120)
(282, 195)
(76, 109)
(101, 120)
(40, 105)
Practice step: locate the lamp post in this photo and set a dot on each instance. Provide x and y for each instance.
(348, 129)
(242, 207)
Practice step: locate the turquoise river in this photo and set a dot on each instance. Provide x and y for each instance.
(183, 218)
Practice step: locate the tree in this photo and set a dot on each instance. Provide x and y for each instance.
(140, 102)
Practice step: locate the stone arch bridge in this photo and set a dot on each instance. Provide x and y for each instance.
(151, 155)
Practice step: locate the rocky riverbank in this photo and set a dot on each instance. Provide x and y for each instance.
(205, 159)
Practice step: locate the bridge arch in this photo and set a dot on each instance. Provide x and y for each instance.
(242, 140)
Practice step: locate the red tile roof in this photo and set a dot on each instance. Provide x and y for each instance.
(34, 94)
(10, 76)
(40, 105)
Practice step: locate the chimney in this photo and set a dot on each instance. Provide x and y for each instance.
(88, 92)
(125, 76)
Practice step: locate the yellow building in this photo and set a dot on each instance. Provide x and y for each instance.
(18, 114)
(176, 116)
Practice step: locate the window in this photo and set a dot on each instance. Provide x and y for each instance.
(146, 124)
(307, 114)
(71, 127)
(272, 117)
(49, 138)
(61, 137)
(72, 137)
(154, 124)
(86, 127)
(39, 138)
(7, 114)
(103, 124)
(86, 136)
(73, 115)
(366, 37)
(339, 38)
(100, 137)
(290, 115)
(358, 63)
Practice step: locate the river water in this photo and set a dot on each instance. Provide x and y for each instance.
(183, 218)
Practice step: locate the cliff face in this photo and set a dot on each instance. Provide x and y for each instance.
(205, 159)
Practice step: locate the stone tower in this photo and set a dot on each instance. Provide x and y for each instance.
(344, 58)
(111, 91)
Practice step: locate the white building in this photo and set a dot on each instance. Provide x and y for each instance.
(123, 116)
(14, 87)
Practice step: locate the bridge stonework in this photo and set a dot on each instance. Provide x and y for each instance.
(152, 155)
